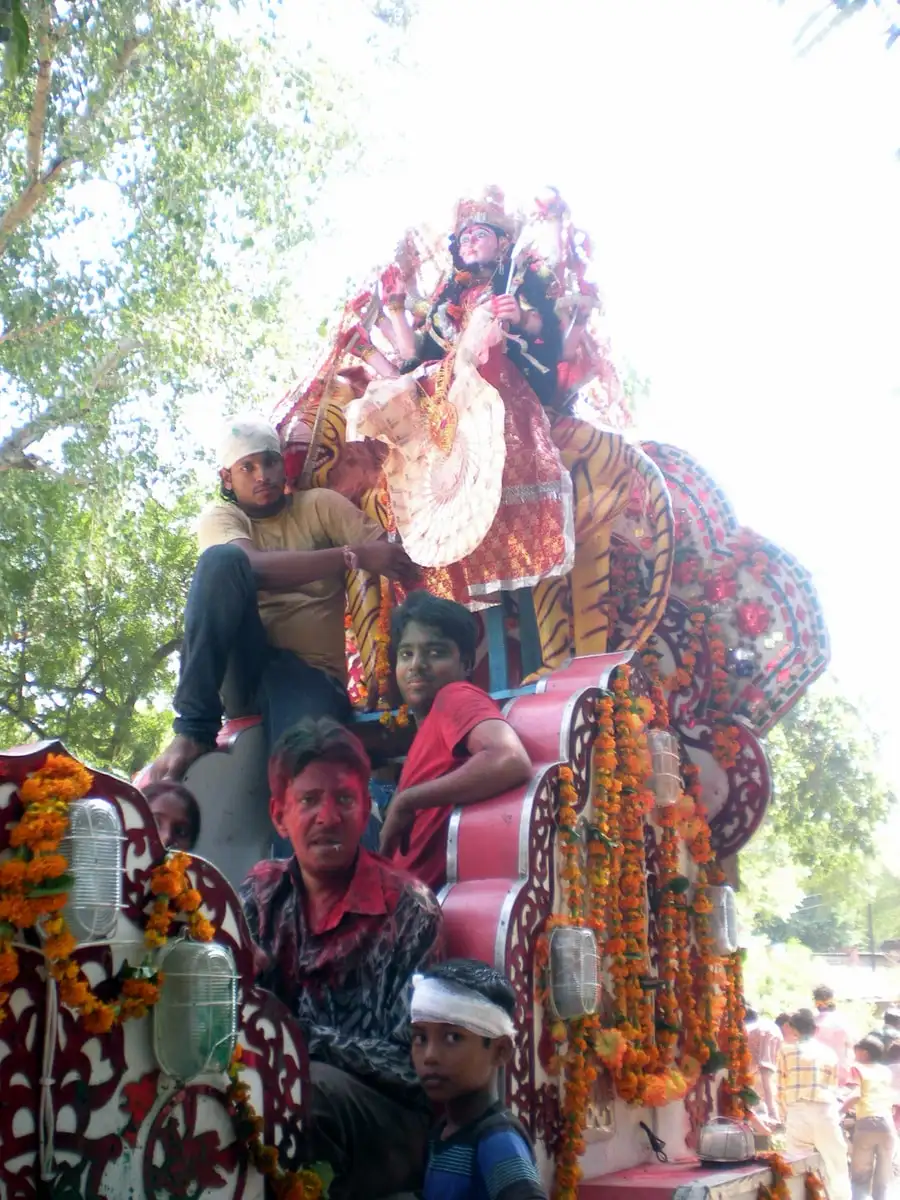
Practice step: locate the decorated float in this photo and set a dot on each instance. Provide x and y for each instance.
(642, 643)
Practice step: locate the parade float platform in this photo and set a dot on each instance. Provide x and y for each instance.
(691, 1179)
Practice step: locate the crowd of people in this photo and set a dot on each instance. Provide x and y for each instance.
(350, 939)
(832, 1092)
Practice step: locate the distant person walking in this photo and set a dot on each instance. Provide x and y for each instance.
(808, 1095)
(872, 1098)
(833, 1030)
(764, 1040)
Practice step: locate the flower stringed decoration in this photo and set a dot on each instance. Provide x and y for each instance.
(34, 887)
(311, 1183)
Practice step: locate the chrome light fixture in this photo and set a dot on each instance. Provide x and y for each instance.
(723, 919)
(665, 759)
(574, 976)
(195, 1022)
(93, 848)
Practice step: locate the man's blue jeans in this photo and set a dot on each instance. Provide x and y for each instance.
(223, 633)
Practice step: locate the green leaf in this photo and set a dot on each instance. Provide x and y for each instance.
(52, 887)
(18, 45)
(679, 884)
(716, 1061)
(325, 1173)
(7, 931)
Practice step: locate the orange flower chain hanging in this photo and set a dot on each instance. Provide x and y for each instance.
(34, 886)
(312, 1183)
(658, 1044)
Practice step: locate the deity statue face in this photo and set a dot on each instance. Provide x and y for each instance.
(478, 246)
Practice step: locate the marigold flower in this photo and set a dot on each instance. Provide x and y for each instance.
(201, 929)
(100, 1020)
(9, 964)
(189, 901)
(60, 946)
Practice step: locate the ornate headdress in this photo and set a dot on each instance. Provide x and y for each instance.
(489, 210)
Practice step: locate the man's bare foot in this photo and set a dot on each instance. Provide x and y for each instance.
(176, 758)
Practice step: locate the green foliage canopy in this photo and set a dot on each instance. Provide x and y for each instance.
(155, 172)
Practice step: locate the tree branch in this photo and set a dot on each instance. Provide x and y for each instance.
(24, 719)
(38, 119)
(13, 446)
(22, 208)
(21, 335)
(120, 726)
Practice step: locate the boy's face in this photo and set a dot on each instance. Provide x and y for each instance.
(451, 1061)
(426, 662)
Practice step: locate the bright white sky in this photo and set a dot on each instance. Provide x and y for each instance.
(744, 209)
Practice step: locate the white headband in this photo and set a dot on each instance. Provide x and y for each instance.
(447, 1004)
(245, 435)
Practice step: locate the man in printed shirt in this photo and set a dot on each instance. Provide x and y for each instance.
(808, 1095)
(463, 751)
(267, 600)
(340, 933)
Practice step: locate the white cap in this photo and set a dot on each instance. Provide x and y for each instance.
(245, 435)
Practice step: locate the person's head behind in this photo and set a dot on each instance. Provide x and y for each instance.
(319, 794)
(176, 812)
(251, 467)
(433, 642)
(892, 1020)
(782, 1019)
(870, 1049)
(824, 998)
(462, 1015)
(750, 1014)
(803, 1023)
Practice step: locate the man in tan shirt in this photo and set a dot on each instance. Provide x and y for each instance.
(267, 599)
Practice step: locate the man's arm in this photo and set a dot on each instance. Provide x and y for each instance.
(497, 761)
(286, 570)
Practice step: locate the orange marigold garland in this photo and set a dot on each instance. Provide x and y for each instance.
(781, 1173)
(33, 890)
(738, 1087)
(576, 1034)
(311, 1183)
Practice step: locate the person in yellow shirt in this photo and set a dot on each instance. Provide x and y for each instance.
(808, 1099)
(266, 603)
(874, 1141)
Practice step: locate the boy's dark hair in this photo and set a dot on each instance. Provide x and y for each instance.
(478, 977)
(783, 1019)
(824, 996)
(892, 1018)
(321, 740)
(804, 1021)
(168, 787)
(453, 621)
(874, 1046)
(750, 1014)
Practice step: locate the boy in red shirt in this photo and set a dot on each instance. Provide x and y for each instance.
(463, 752)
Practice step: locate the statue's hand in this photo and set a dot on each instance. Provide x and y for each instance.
(393, 288)
(355, 341)
(506, 308)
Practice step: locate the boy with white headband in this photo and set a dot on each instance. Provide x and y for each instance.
(462, 1033)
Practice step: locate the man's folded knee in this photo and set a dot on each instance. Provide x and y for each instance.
(229, 558)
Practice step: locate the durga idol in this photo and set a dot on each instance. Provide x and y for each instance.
(479, 492)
